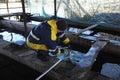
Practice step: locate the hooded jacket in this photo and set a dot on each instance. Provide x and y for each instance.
(44, 37)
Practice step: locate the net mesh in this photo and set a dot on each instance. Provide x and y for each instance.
(81, 10)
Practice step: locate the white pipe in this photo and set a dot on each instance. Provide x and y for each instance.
(38, 78)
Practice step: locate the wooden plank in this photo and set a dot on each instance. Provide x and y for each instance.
(16, 26)
(89, 58)
(104, 27)
(85, 44)
(86, 62)
(62, 71)
(29, 60)
(82, 44)
(12, 14)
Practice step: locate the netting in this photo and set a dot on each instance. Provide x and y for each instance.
(107, 11)
(80, 10)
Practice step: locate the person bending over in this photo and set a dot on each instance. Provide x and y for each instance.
(44, 37)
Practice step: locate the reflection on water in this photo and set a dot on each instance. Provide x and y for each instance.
(13, 37)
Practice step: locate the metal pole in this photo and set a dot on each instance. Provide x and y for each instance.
(7, 7)
(55, 12)
(24, 17)
(90, 27)
(38, 78)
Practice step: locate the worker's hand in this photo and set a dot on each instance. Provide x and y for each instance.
(60, 51)
(64, 54)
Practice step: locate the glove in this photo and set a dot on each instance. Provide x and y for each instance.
(60, 51)
(64, 54)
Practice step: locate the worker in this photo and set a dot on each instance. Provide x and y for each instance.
(44, 38)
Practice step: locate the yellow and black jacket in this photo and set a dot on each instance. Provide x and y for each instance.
(44, 37)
